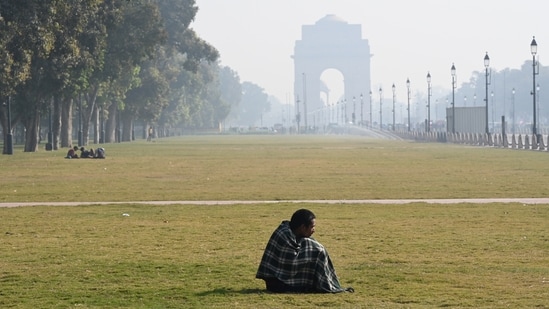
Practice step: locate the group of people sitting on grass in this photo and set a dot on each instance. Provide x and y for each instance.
(90, 154)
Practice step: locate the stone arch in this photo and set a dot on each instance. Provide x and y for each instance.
(332, 43)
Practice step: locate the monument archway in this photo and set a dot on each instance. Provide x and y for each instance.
(331, 43)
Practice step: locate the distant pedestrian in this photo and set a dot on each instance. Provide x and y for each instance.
(150, 134)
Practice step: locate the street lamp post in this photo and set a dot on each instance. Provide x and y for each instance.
(344, 112)
(537, 109)
(297, 115)
(453, 72)
(380, 109)
(305, 103)
(534, 51)
(353, 116)
(428, 124)
(361, 110)
(513, 99)
(370, 108)
(408, 109)
(394, 98)
(486, 66)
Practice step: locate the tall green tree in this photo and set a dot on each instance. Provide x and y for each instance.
(115, 60)
(23, 36)
(255, 102)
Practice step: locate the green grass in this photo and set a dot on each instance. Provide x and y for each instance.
(395, 256)
(275, 168)
(195, 256)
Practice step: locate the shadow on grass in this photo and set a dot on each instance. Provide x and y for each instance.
(223, 291)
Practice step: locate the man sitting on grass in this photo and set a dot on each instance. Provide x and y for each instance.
(295, 262)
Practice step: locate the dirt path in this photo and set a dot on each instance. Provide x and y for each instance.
(396, 201)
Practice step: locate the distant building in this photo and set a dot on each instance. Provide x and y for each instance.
(467, 119)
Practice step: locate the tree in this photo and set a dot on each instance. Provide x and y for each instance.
(118, 60)
(18, 18)
(254, 103)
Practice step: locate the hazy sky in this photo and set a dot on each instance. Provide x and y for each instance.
(407, 38)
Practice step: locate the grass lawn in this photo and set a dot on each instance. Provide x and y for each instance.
(193, 256)
(275, 168)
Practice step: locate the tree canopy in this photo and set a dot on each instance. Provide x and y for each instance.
(114, 63)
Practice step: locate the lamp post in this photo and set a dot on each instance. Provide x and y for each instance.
(453, 72)
(537, 109)
(361, 111)
(447, 120)
(342, 112)
(394, 98)
(328, 111)
(534, 51)
(428, 124)
(486, 66)
(370, 108)
(380, 109)
(345, 118)
(9, 136)
(513, 102)
(353, 116)
(305, 103)
(408, 109)
(297, 114)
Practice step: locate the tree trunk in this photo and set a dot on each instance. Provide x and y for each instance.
(4, 123)
(96, 127)
(66, 124)
(102, 114)
(110, 129)
(89, 115)
(32, 125)
(127, 128)
(56, 122)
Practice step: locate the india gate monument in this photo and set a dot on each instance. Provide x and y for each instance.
(331, 43)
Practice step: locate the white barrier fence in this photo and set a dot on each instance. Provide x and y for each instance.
(511, 141)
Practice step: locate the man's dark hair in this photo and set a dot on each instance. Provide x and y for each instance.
(302, 216)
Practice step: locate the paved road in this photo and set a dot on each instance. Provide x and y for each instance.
(528, 201)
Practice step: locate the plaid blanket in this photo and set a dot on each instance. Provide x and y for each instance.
(303, 265)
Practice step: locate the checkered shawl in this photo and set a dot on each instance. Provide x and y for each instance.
(302, 264)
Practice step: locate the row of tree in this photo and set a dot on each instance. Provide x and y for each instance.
(108, 64)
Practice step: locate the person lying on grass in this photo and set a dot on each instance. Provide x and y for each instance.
(294, 262)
